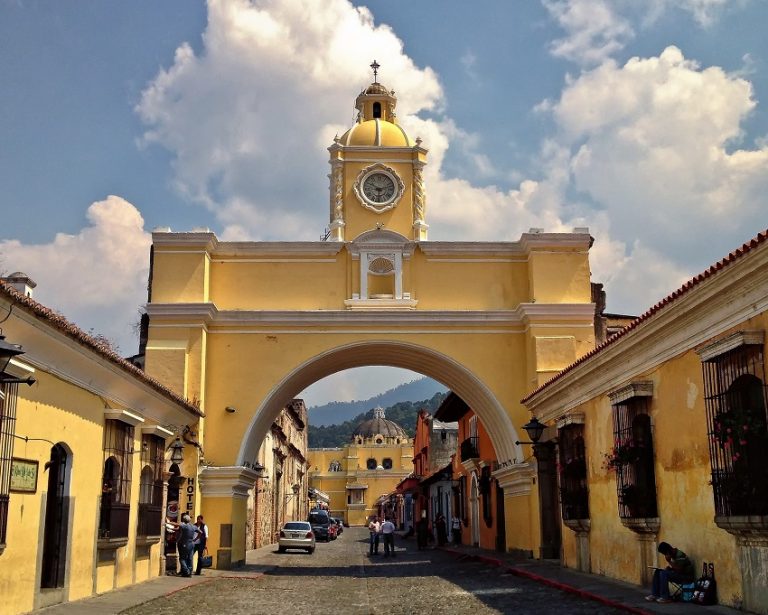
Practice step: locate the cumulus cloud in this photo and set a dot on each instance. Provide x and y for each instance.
(648, 153)
(97, 278)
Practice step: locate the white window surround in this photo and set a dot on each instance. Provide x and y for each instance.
(156, 430)
(381, 252)
(726, 344)
(124, 416)
(633, 389)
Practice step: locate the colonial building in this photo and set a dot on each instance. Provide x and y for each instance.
(281, 491)
(247, 326)
(378, 456)
(86, 443)
(660, 434)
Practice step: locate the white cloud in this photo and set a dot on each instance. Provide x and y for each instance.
(594, 31)
(97, 278)
(653, 144)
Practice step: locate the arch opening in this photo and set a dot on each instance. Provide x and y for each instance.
(426, 361)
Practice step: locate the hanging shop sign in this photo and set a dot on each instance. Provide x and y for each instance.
(24, 475)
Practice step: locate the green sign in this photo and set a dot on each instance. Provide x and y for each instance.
(23, 475)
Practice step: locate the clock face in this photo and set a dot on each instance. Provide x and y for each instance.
(379, 188)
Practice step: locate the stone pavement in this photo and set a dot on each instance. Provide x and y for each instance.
(624, 596)
(611, 593)
(113, 602)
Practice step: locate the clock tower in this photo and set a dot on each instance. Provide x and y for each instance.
(376, 179)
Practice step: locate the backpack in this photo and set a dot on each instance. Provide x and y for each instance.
(705, 590)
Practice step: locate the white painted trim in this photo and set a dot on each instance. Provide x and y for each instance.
(124, 416)
(629, 391)
(227, 481)
(477, 260)
(19, 369)
(274, 260)
(157, 430)
(517, 479)
(740, 338)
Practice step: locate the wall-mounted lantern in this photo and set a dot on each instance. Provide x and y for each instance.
(8, 352)
(177, 451)
(534, 428)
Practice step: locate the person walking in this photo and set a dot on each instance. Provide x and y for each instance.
(388, 532)
(422, 531)
(456, 530)
(202, 540)
(374, 528)
(442, 530)
(187, 534)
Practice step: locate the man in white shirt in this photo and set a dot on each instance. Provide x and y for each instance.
(388, 531)
(374, 528)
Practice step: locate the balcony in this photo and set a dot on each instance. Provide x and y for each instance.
(469, 449)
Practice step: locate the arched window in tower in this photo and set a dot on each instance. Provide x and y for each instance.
(376, 110)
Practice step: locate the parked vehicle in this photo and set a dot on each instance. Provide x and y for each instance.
(320, 522)
(333, 531)
(296, 535)
(339, 525)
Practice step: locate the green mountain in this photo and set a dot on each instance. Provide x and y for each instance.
(336, 412)
(403, 413)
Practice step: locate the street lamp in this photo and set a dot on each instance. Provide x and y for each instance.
(177, 451)
(7, 352)
(534, 428)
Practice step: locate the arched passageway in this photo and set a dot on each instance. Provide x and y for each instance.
(426, 361)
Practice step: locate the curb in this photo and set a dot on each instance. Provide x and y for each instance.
(570, 589)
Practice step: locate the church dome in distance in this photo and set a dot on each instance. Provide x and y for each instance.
(378, 426)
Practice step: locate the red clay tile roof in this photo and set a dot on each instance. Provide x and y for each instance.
(685, 288)
(58, 322)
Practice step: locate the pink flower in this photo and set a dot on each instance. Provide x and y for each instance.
(743, 442)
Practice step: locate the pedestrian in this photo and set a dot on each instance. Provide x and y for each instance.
(388, 532)
(442, 530)
(202, 540)
(456, 530)
(679, 570)
(374, 528)
(422, 531)
(187, 534)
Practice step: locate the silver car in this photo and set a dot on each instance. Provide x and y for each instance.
(296, 535)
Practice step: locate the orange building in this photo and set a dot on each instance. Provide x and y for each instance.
(478, 497)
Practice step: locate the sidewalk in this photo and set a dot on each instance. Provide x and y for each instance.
(620, 595)
(116, 601)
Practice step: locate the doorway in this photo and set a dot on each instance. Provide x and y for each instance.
(56, 520)
(474, 507)
(546, 460)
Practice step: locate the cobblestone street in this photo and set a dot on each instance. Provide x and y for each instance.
(340, 577)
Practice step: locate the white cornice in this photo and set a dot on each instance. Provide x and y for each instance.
(630, 391)
(717, 304)
(205, 240)
(740, 338)
(157, 430)
(526, 313)
(227, 481)
(529, 242)
(276, 248)
(517, 479)
(124, 416)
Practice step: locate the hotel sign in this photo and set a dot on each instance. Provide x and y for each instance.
(23, 475)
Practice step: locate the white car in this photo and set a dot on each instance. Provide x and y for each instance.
(296, 535)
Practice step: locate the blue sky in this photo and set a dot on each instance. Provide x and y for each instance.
(646, 122)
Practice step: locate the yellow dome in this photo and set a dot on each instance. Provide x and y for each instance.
(376, 133)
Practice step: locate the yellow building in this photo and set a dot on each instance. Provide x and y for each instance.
(84, 461)
(660, 435)
(354, 477)
(249, 325)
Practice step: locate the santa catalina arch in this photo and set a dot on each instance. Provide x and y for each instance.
(246, 326)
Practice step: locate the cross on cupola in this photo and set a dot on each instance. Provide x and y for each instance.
(375, 66)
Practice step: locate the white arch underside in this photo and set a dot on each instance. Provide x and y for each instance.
(390, 354)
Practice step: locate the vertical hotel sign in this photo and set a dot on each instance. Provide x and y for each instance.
(190, 496)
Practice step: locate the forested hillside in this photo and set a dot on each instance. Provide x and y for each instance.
(403, 413)
(336, 412)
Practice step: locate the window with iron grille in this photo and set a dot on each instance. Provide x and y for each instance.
(633, 459)
(574, 494)
(116, 480)
(151, 485)
(8, 394)
(734, 385)
(484, 486)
